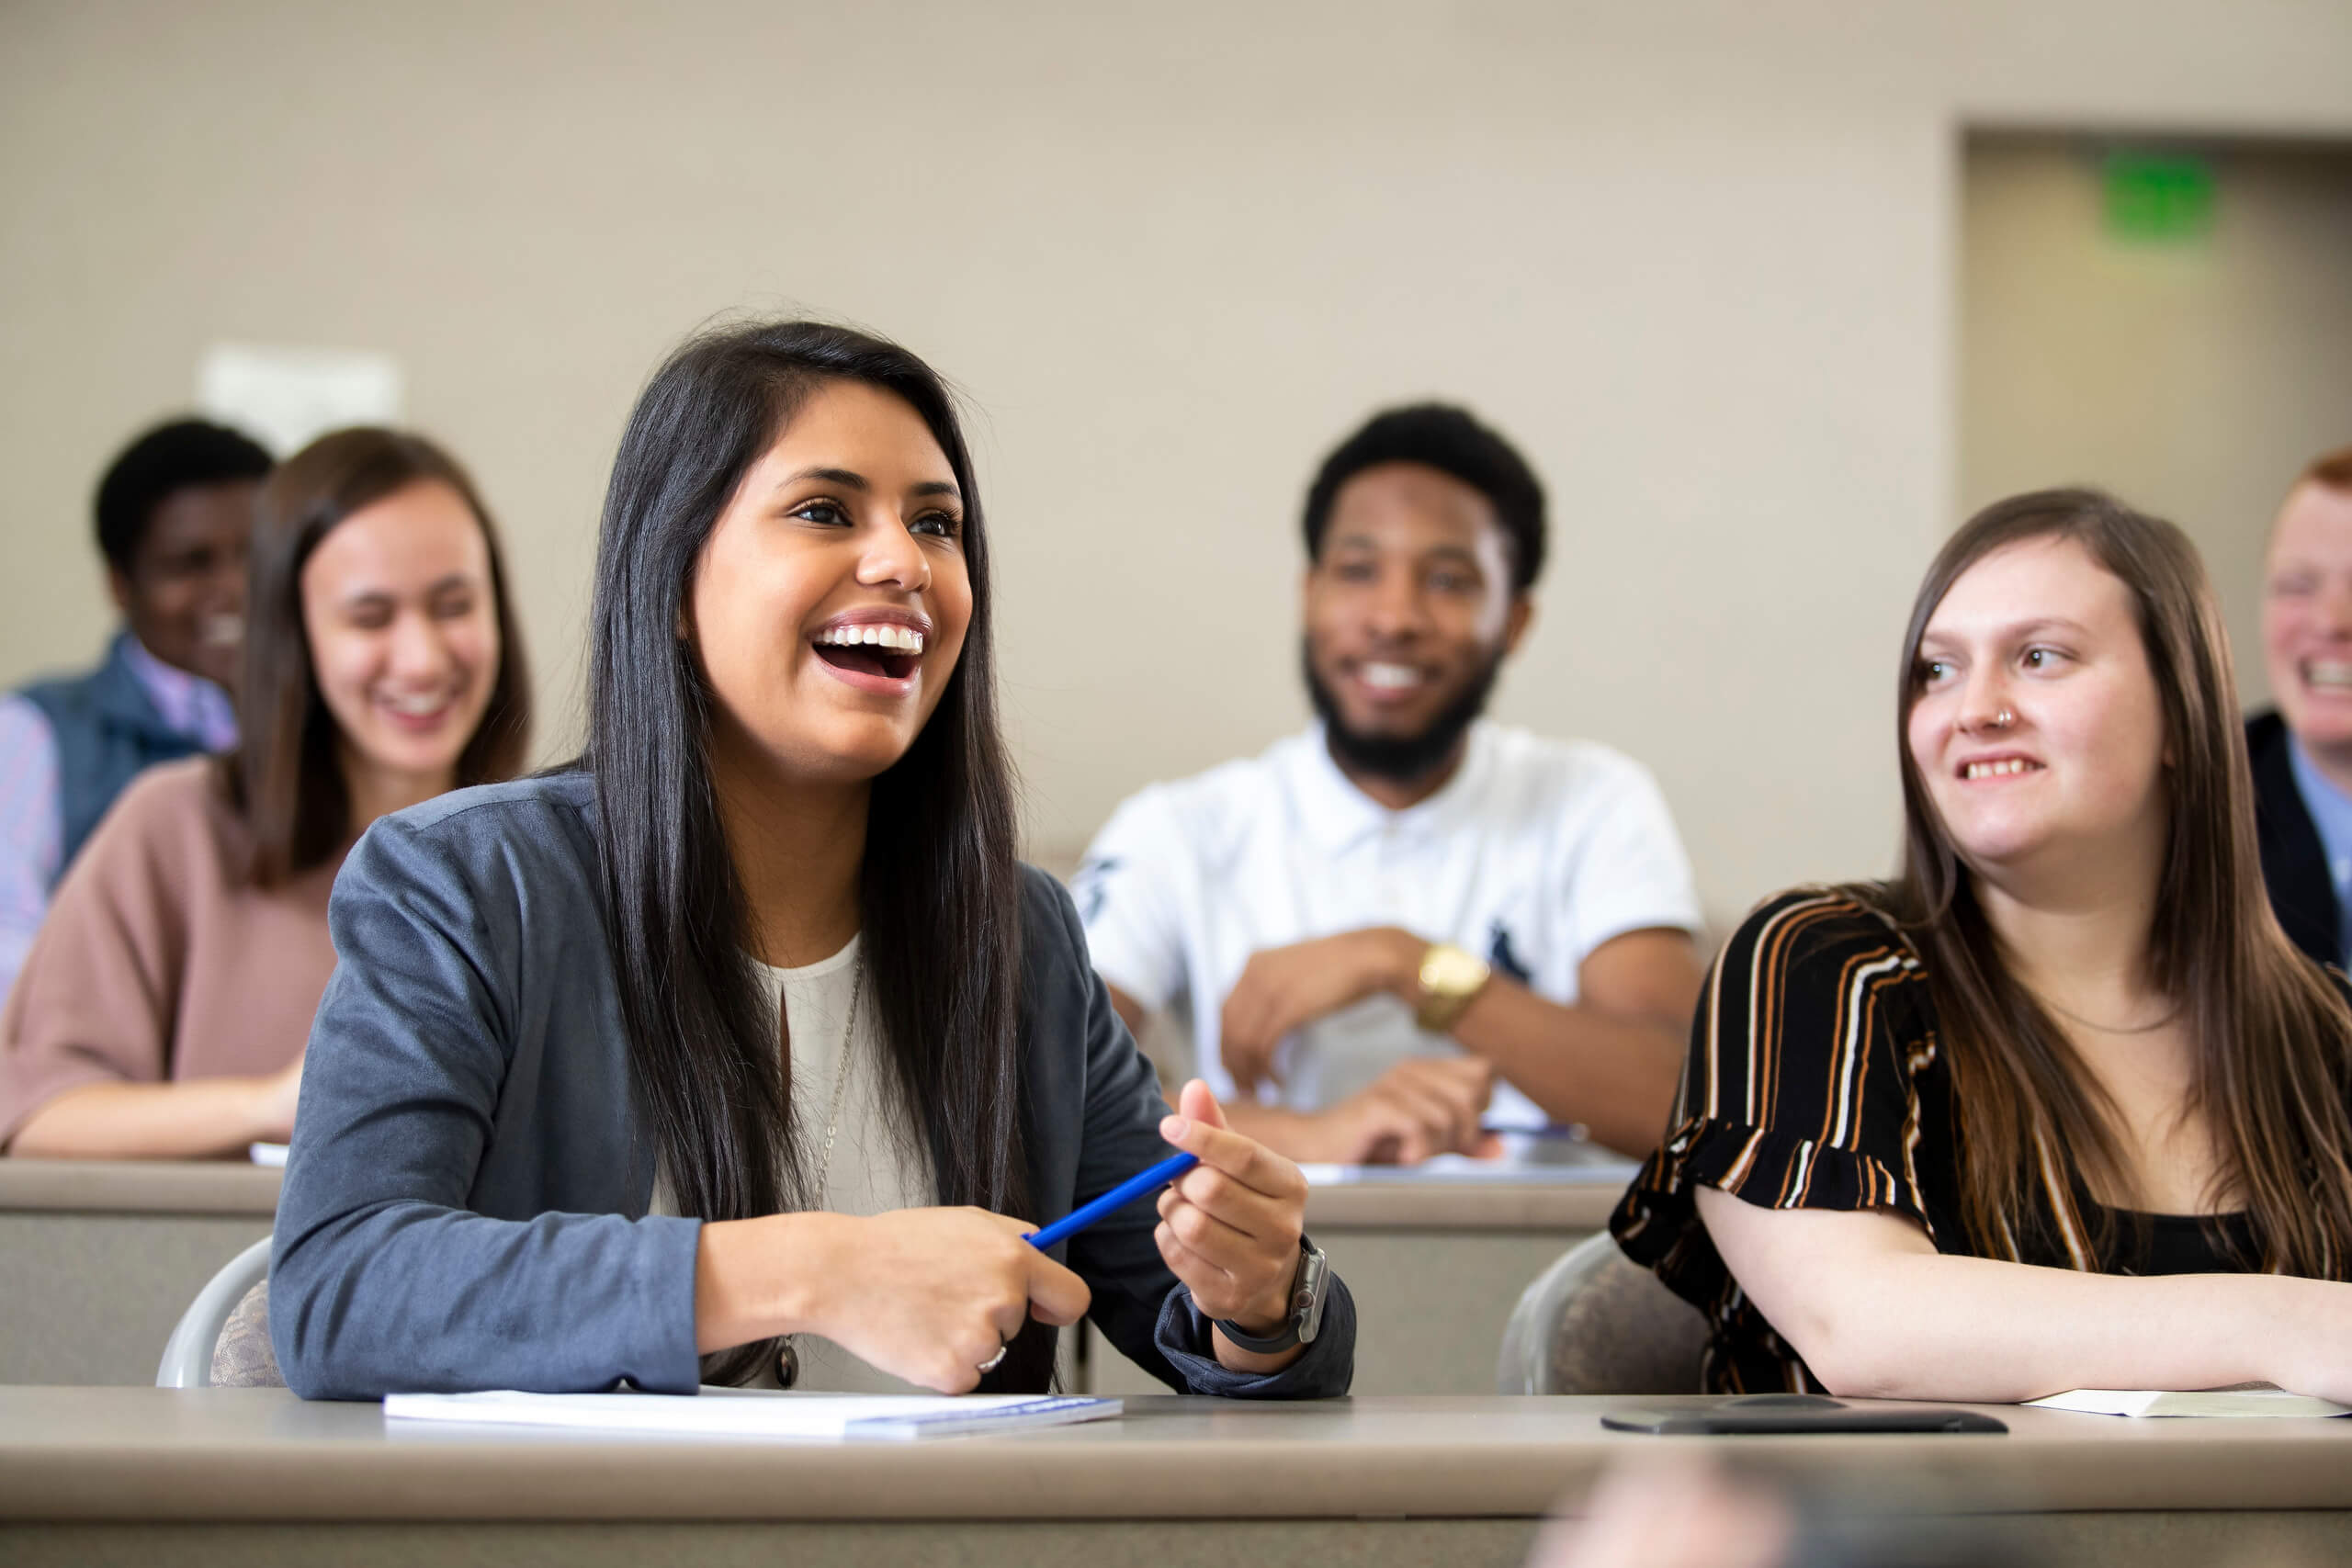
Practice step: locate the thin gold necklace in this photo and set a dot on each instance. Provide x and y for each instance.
(2107, 1027)
(787, 1354)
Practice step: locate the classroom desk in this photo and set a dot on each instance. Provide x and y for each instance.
(254, 1477)
(1434, 1269)
(98, 1259)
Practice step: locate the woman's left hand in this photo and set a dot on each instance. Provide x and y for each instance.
(1229, 1227)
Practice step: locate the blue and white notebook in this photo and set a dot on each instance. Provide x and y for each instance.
(757, 1412)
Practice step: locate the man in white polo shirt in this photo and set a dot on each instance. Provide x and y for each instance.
(1410, 922)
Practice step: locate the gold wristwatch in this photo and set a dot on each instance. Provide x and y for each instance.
(1450, 981)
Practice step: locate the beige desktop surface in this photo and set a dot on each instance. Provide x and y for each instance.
(139, 1187)
(249, 1454)
(224, 1187)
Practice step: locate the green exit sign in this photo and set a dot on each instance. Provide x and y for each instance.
(2158, 200)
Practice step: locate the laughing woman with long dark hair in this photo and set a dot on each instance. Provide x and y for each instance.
(745, 1051)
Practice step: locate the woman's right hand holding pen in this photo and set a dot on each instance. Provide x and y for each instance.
(928, 1295)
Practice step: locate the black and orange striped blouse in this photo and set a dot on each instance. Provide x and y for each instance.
(1814, 1082)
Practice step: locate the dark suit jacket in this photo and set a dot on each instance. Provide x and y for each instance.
(2294, 862)
(465, 1204)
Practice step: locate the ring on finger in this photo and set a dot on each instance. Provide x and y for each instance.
(993, 1361)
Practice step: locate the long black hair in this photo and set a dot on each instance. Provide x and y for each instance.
(939, 896)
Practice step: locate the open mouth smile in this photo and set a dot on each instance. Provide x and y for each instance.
(1998, 768)
(1386, 681)
(2333, 676)
(875, 655)
(422, 712)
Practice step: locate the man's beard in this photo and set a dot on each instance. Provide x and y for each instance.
(1399, 759)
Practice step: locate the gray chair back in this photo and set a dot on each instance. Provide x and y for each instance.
(222, 1339)
(1596, 1322)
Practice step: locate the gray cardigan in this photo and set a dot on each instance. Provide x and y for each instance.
(465, 1204)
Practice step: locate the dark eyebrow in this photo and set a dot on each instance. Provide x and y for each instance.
(849, 479)
(2015, 629)
(842, 477)
(2047, 624)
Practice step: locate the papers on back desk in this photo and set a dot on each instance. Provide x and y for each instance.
(754, 1413)
(2249, 1399)
(1454, 1170)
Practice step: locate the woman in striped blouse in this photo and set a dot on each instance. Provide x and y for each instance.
(2060, 1106)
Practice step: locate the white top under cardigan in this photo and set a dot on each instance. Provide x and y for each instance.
(872, 1172)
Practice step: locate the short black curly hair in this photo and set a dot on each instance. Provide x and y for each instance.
(178, 456)
(1452, 441)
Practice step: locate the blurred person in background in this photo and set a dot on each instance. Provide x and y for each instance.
(1383, 924)
(2302, 749)
(2061, 1106)
(1676, 1510)
(173, 513)
(164, 1007)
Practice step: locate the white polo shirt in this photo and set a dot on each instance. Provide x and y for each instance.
(1534, 854)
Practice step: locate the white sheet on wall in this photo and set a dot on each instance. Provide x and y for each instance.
(283, 395)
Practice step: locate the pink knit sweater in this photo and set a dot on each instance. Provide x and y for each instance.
(158, 960)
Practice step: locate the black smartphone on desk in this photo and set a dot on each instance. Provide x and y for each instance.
(1760, 1414)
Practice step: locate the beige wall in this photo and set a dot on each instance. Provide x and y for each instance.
(1698, 257)
(2194, 379)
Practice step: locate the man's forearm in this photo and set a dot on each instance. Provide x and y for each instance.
(1293, 1134)
(1614, 1075)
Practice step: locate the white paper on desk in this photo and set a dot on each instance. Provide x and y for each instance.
(2247, 1400)
(757, 1412)
(268, 1154)
(1460, 1171)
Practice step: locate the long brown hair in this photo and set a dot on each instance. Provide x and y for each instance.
(2272, 1035)
(284, 777)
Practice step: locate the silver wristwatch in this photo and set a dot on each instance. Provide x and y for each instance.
(1306, 1320)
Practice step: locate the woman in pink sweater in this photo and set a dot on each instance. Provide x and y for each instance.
(163, 1007)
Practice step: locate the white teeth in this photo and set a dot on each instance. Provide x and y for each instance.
(897, 638)
(1390, 677)
(1995, 770)
(420, 705)
(221, 630)
(2328, 672)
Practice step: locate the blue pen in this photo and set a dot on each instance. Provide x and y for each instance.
(1119, 1197)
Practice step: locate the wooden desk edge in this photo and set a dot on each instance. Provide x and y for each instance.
(224, 1187)
(1405, 1206)
(138, 1186)
(257, 1455)
(1245, 1479)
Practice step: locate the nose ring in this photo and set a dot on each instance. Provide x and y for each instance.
(2003, 719)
